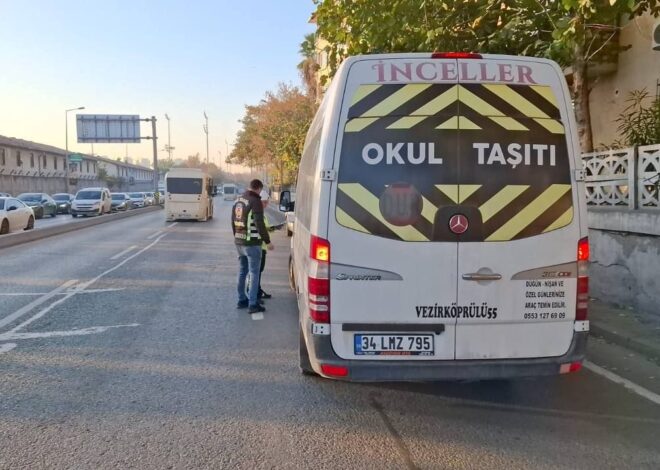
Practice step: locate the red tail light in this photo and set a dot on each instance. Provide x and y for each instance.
(455, 55)
(334, 371)
(318, 281)
(583, 250)
(570, 367)
(582, 307)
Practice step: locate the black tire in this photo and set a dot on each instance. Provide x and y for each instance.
(54, 214)
(30, 224)
(39, 214)
(292, 277)
(305, 364)
(4, 227)
(75, 216)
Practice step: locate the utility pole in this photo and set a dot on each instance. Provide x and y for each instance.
(66, 145)
(154, 140)
(206, 131)
(169, 146)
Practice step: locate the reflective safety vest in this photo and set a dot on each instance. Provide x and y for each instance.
(245, 227)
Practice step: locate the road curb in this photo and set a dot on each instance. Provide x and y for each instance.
(19, 238)
(625, 341)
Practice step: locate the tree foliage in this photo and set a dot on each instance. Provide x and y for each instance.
(639, 122)
(273, 132)
(308, 65)
(575, 33)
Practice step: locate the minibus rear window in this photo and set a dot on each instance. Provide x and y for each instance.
(184, 185)
(412, 155)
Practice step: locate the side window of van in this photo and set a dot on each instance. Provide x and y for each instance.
(306, 176)
(412, 155)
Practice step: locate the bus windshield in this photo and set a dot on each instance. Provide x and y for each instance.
(184, 185)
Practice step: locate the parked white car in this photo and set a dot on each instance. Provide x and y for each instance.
(15, 215)
(92, 201)
(138, 199)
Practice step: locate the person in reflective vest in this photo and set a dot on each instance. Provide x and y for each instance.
(264, 202)
(247, 223)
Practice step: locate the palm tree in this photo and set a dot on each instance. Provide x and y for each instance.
(308, 66)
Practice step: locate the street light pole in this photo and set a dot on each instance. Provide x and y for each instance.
(66, 144)
(169, 146)
(206, 131)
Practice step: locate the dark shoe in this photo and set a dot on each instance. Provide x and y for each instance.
(242, 304)
(256, 309)
(264, 295)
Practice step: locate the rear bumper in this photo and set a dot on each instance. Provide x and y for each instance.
(321, 352)
(85, 211)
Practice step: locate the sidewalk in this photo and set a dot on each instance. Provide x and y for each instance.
(622, 327)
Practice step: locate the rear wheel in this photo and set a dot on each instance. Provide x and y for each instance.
(75, 216)
(30, 223)
(305, 365)
(4, 227)
(54, 214)
(292, 278)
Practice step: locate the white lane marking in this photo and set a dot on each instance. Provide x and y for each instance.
(51, 334)
(27, 294)
(126, 251)
(154, 235)
(5, 348)
(89, 291)
(638, 389)
(172, 225)
(95, 291)
(82, 286)
(257, 316)
(35, 303)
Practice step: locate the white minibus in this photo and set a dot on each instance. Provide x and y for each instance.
(188, 195)
(229, 191)
(440, 223)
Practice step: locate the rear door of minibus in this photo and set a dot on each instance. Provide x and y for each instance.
(393, 280)
(517, 270)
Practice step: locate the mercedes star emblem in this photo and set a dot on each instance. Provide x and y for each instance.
(458, 224)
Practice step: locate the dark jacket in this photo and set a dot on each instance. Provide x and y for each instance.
(247, 220)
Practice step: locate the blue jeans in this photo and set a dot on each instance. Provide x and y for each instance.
(249, 261)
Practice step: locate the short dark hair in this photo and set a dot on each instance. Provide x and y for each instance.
(256, 185)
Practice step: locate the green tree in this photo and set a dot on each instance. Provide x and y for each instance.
(575, 33)
(272, 133)
(308, 66)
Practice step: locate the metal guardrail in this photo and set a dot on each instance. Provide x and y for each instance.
(19, 238)
(628, 178)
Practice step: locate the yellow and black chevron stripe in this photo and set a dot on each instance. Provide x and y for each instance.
(506, 213)
(517, 108)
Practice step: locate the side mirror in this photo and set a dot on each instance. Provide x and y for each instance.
(285, 199)
(44, 201)
(11, 208)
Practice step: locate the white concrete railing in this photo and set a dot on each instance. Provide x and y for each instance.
(626, 178)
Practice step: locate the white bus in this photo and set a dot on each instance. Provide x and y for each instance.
(188, 195)
(230, 192)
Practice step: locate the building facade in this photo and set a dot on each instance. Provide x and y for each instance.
(637, 68)
(32, 167)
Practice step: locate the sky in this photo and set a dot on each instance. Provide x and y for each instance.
(144, 57)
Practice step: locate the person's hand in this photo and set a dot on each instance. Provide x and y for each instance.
(270, 247)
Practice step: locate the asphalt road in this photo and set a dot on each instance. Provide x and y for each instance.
(122, 349)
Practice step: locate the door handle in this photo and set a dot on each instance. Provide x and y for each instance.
(482, 277)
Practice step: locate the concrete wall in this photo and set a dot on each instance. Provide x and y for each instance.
(625, 259)
(639, 67)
